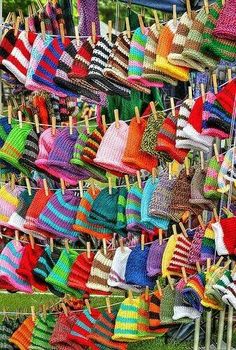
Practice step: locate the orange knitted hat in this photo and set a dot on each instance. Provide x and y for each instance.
(163, 50)
(133, 155)
(22, 336)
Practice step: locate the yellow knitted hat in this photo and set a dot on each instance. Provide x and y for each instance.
(168, 253)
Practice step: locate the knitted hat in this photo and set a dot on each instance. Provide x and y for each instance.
(154, 314)
(230, 295)
(195, 249)
(22, 336)
(42, 332)
(136, 272)
(59, 214)
(59, 275)
(146, 217)
(211, 179)
(166, 139)
(227, 168)
(10, 258)
(208, 245)
(126, 327)
(117, 64)
(82, 224)
(175, 56)
(182, 309)
(116, 277)
(194, 291)
(167, 255)
(224, 236)
(223, 48)
(167, 305)
(63, 327)
(133, 156)
(46, 143)
(31, 151)
(92, 143)
(164, 49)
(100, 271)
(103, 330)
(44, 266)
(47, 66)
(223, 282)
(18, 60)
(5, 129)
(112, 147)
(143, 319)
(225, 24)
(7, 328)
(155, 258)
(184, 113)
(14, 146)
(226, 95)
(212, 294)
(7, 45)
(8, 202)
(150, 72)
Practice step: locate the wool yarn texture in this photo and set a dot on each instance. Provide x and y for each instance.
(226, 22)
(22, 336)
(155, 258)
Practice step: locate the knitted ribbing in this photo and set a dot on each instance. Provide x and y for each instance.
(155, 258)
(154, 313)
(227, 168)
(7, 45)
(225, 49)
(167, 255)
(184, 113)
(195, 249)
(22, 336)
(88, 14)
(31, 151)
(167, 305)
(42, 333)
(67, 10)
(183, 311)
(143, 319)
(9, 201)
(91, 146)
(62, 328)
(225, 26)
(193, 292)
(208, 245)
(7, 328)
(211, 179)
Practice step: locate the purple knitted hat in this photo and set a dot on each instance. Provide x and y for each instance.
(59, 215)
(59, 158)
(88, 13)
(154, 259)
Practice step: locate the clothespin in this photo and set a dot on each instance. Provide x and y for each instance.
(203, 94)
(130, 295)
(9, 112)
(86, 121)
(29, 189)
(202, 160)
(186, 163)
(33, 313)
(128, 31)
(137, 114)
(216, 152)
(44, 311)
(159, 287)
(62, 32)
(31, 238)
(170, 282)
(110, 185)
(77, 36)
(184, 274)
(224, 189)
(174, 15)
(198, 267)
(201, 222)
(81, 190)
(154, 111)
(110, 30)
(45, 186)
(154, 174)
(26, 25)
(223, 2)
(219, 261)
(117, 122)
(104, 124)
(121, 242)
(206, 6)
(88, 249)
(36, 122)
(94, 34)
(40, 6)
(146, 293)
(227, 264)
(43, 30)
(108, 302)
(51, 242)
(17, 237)
(92, 186)
(17, 24)
(19, 113)
(160, 236)
(183, 229)
(157, 20)
(12, 181)
(71, 124)
(208, 264)
(172, 104)
(170, 170)
(142, 241)
(54, 122)
(64, 308)
(189, 10)
(66, 243)
(190, 92)
(141, 24)
(104, 243)
(216, 216)
(139, 179)
(33, 9)
(127, 182)
(214, 82)
(63, 187)
(14, 18)
(229, 74)
(174, 229)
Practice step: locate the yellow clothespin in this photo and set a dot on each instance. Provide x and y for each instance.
(117, 122)
(86, 121)
(62, 32)
(9, 111)
(12, 181)
(121, 242)
(66, 243)
(33, 313)
(202, 160)
(17, 24)
(26, 25)
(94, 34)
(137, 114)
(45, 186)
(36, 122)
(104, 124)
(31, 238)
(19, 113)
(29, 189)
(44, 309)
(81, 190)
(108, 302)
(130, 295)
(189, 10)
(128, 31)
(203, 94)
(216, 152)
(51, 244)
(214, 82)
(63, 187)
(64, 308)
(110, 185)
(198, 267)
(154, 111)
(17, 237)
(159, 287)
(54, 122)
(208, 264)
(174, 15)
(174, 229)
(172, 104)
(200, 220)
(190, 92)
(141, 24)
(183, 229)
(160, 236)
(229, 74)
(146, 293)
(71, 124)
(206, 6)
(104, 243)
(157, 20)
(127, 182)
(110, 30)
(43, 29)
(88, 249)
(139, 179)
(186, 163)
(142, 241)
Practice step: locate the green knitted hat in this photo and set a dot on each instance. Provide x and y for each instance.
(143, 319)
(211, 180)
(14, 146)
(223, 48)
(167, 305)
(121, 217)
(210, 292)
(42, 332)
(223, 282)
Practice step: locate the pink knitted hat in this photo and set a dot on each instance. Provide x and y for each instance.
(8, 203)
(46, 142)
(226, 23)
(112, 147)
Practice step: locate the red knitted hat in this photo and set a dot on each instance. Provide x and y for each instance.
(226, 96)
(228, 226)
(28, 263)
(7, 45)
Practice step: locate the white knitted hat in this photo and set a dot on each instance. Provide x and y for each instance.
(219, 239)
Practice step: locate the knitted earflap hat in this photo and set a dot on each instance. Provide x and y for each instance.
(223, 48)
(133, 156)
(154, 314)
(7, 45)
(46, 143)
(14, 146)
(208, 245)
(22, 336)
(82, 224)
(163, 50)
(192, 54)
(62, 328)
(155, 258)
(225, 25)
(100, 271)
(194, 291)
(183, 310)
(30, 153)
(167, 255)
(111, 149)
(9, 202)
(136, 272)
(146, 217)
(18, 60)
(58, 216)
(225, 240)
(211, 179)
(9, 278)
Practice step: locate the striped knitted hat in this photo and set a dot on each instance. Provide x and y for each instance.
(59, 275)
(117, 64)
(195, 249)
(226, 22)
(223, 48)
(144, 331)
(227, 168)
(163, 50)
(58, 216)
(167, 255)
(192, 54)
(111, 149)
(150, 71)
(133, 156)
(9, 201)
(42, 332)
(208, 245)
(62, 328)
(7, 328)
(136, 272)
(91, 145)
(211, 179)
(18, 60)
(103, 330)
(22, 336)
(5, 129)
(14, 146)
(44, 266)
(194, 291)
(100, 271)
(126, 327)
(155, 258)
(10, 258)
(182, 310)
(31, 151)
(154, 314)
(82, 224)
(184, 113)
(225, 240)
(223, 282)
(7, 45)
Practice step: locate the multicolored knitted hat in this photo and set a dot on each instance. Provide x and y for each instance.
(92, 144)
(184, 113)
(167, 255)
(7, 45)
(42, 332)
(211, 179)
(192, 54)
(10, 258)
(112, 147)
(208, 245)
(9, 201)
(225, 24)
(14, 146)
(196, 244)
(223, 282)
(155, 258)
(164, 49)
(230, 295)
(225, 240)
(5, 129)
(22, 336)
(227, 168)
(30, 154)
(154, 314)
(194, 291)
(63, 327)
(58, 216)
(183, 310)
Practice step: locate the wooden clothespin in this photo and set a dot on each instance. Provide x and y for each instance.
(19, 113)
(128, 31)
(208, 264)
(33, 9)
(229, 74)
(154, 111)
(186, 163)
(189, 10)
(139, 179)
(174, 229)
(170, 282)
(64, 308)
(108, 302)
(121, 243)
(203, 93)
(104, 124)
(110, 30)
(86, 121)
(63, 187)
(202, 160)
(71, 124)
(110, 185)
(62, 32)
(170, 170)
(127, 182)
(54, 123)
(44, 309)
(94, 34)
(219, 261)
(190, 92)
(183, 229)
(81, 189)
(104, 244)
(29, 189)
(174, 15)
(117, 121)
(160, 236)
(154, 174)
(223, 2)
(141, 23)
(130, 295)
(27, 25)
(206, 6)
(146, 293)
(77, 36)
(137, 114)
(45, 186)
(31, 238)
(13, 18)
(216, 152)
(12, 181)
(200, 220)
(17, 24)
(17, 237)
(216, 216)
(51, 242)
(66, 243)
(43, 30)
(155, 14)
(93, 186)
(159, 288)
(142, 241)
(88, 249)
(172, 104)
(9, 112)
(33, 314)
(36, 122)
(198, 267)
(214, 82)
(184, 274)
